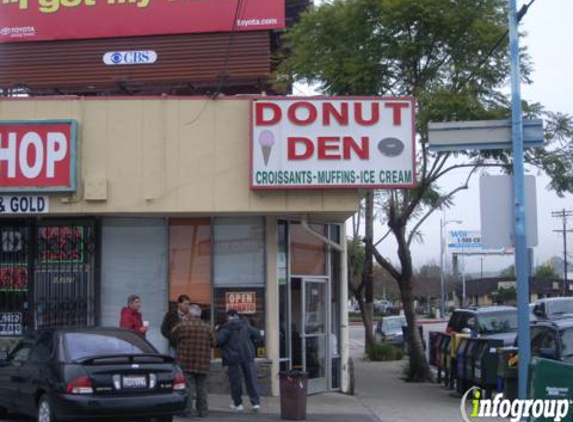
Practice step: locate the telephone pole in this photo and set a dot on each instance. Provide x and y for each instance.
(564, 214)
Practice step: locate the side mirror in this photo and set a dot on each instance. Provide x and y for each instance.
(548, 353)
(539, 310)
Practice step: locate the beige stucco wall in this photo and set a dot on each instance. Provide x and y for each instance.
(170, 156)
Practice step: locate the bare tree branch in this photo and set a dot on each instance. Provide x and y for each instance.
(443, 201)
(384, 263)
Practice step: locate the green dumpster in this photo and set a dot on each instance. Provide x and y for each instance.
(551, 380)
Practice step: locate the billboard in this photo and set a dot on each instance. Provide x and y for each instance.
(332, 142)
(38, 156)
(41, 20)
(464, 239)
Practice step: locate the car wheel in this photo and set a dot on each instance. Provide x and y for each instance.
(45, 410)
(3, 412)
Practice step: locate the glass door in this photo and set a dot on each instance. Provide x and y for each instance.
(315, 333)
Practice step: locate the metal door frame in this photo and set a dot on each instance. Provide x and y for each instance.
(321, 384)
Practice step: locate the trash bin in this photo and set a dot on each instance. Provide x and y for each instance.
(507, 370)
(550, 380)
(293, 389)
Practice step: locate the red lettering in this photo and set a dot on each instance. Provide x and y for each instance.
(260, 114)
(292, 115)
(326, 144)
(361, 151)
(329, 111)
(374, 114)
(305, 143)
(397, 109)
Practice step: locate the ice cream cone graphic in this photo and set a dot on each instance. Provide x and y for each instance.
(266, 141)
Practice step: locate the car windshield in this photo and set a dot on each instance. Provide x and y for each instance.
(82, 345)
(393, 324)
(500, 322)
(559, 307)
(567, 345)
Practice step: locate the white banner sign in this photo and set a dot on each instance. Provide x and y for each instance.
(464, 239)
(24, 204)
(333, 142)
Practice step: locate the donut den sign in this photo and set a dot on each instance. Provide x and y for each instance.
(37, 156)
(332, 142)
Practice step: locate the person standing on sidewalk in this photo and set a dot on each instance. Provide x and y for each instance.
(194, 339)
(172, 318)
(236, 341)
(131, 316)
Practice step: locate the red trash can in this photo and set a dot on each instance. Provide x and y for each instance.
(293, 389)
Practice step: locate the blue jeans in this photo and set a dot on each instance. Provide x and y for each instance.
(236, 381)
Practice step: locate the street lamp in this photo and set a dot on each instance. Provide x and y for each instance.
(442, 286)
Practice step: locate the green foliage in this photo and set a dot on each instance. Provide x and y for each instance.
(385, 352)
(435, 50)
(508, 272)
(505, 295)
(545, 271)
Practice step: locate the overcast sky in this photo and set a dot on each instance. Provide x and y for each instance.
(549, 31)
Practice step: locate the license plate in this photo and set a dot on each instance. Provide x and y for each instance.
(131, 381)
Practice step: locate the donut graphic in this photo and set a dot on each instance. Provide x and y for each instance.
(391, 147)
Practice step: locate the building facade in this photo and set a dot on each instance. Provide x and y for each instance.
(162, 206)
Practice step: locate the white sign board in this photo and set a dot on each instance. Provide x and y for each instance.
(332, 142)
(24, 204)
(498, 210)
(482, 134)
(464, 239)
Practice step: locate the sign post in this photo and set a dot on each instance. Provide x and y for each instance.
(523, 334)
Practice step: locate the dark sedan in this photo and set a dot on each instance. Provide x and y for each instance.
(90, 374)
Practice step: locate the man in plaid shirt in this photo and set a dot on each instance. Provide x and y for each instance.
(194, 339)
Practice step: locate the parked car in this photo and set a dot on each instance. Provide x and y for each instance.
(553, 339)
(90, 374)
(381, 305)
(389, 330)
(496, 322)
(552, 308)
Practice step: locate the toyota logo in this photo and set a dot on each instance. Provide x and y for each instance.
(5, 31)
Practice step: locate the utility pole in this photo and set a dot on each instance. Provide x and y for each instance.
(563, 215)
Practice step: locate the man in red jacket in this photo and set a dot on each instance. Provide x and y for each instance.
(131, 317)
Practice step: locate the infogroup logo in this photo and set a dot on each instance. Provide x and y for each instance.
(515, 410)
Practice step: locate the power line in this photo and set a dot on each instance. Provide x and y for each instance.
(522, 12)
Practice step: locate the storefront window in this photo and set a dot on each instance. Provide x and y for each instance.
(239, 252)
(64, 286)
(190, 260)
(308, 252)
(14, 277)
(249, 303)
(239, 272)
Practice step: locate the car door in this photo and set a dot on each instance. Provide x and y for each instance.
(11, 375)
(35, 372)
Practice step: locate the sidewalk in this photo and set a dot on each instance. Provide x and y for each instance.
(330, 407)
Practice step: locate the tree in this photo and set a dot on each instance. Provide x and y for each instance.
(452, 56)
(508, 272)
(545, 270)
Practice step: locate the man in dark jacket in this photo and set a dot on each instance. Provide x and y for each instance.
(235, 339)
(172, 318)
